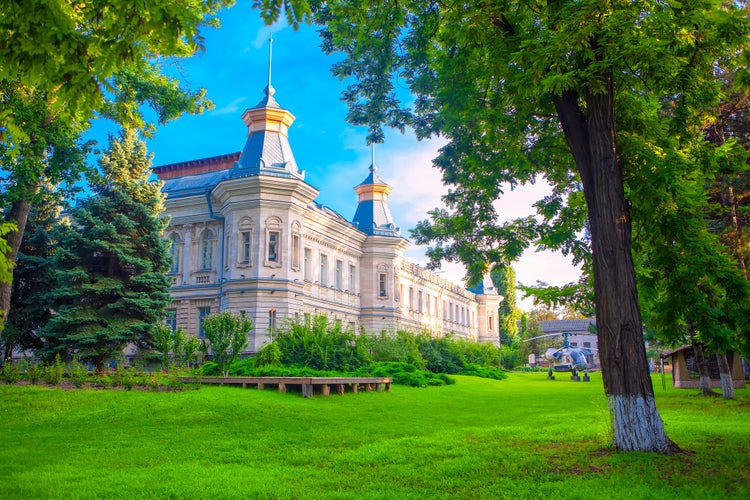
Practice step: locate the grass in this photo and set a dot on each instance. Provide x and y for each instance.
(524, 437)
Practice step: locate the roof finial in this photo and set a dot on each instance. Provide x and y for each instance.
(269, 90)
(373, 168)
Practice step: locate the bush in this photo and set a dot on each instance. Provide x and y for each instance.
(405, 374)
(9, 373)
(269, 355)
(53, 373)
(32, 371)
(77, 374)
(484, 372)
(321, 345)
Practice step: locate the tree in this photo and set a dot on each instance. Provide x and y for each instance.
(692, 289)
(227, 332)
(99, 46)
(112, 288)
(33, 278)
(524, 90)
(111, 57)
(504, 279)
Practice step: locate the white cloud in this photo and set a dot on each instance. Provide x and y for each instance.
(266, 32)
(230, 108)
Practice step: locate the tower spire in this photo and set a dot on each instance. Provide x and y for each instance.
(373, 168)
(269, 90)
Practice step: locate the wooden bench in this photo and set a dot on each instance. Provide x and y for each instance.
(339, 384)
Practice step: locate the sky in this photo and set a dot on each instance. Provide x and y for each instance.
(334, 154)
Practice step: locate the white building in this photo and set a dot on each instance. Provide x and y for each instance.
(248, 236)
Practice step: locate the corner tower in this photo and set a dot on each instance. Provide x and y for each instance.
(373, 217)
(267, 150)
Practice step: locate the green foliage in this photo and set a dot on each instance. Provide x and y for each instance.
(484, 372)
(504, 279)
(321, 345)
(393, 346)
(325, 348)
(102, 49)
(227, 333)
(9, 373)
(6, 265)
(32, 371)
(53, 372)
(269, 355)
(406, 374)
(78, 375)
(111, 264)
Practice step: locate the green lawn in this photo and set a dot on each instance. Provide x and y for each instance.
(523, 437)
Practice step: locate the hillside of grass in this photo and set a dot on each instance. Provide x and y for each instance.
(523, 437)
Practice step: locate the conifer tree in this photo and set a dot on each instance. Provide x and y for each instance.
(112, 261)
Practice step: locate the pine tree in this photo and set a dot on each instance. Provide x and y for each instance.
(112, 286)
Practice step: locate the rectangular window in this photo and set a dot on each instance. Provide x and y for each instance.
(382, 291)
(427, 302)
(245, 247)
(339, 275)
(295, 251)
(419, 301)
(273, 246)
(272, 319)
(445, 310)
(352, 279)
(171, 319)
(226, 252)
(323, 270)
(411, 298)
(203, 313)
(308, 263)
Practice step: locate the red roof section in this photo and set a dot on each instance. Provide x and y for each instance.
(192, 167)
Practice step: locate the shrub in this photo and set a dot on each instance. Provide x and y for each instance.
(484, 372)
(9, 373)
(405, 374)
(400, 345)
(321, 345)
(269, 355)
(33, 372)
(53, 373)
(77, 374)
(227, 333)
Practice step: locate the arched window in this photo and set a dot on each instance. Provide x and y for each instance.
(175, 252)
(207, 249)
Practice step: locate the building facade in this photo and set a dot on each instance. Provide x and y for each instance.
(248, 236)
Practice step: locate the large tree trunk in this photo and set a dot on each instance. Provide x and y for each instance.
(636, 423)
(704, 376)
(19, 213)
(727, 384)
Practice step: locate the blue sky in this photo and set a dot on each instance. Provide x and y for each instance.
(234, 70)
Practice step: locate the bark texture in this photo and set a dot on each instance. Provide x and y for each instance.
(704, 375)
(636, 423)
(19, 213)
(725, 372)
